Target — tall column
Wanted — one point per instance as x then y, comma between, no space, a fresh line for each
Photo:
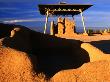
46,21
52,28
82,17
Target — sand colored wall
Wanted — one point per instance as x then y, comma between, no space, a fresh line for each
66,26
60,26
69,26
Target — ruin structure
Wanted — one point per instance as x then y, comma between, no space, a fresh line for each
64,25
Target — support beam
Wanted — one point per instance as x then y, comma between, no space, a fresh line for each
82,17
52,28
46,21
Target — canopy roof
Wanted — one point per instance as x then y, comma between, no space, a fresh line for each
63,9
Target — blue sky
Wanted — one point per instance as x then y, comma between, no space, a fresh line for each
25,12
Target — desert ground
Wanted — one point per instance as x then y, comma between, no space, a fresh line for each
85,38
29,56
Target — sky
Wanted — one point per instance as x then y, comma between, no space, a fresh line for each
26,13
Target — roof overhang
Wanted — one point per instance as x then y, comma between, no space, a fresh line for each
62,9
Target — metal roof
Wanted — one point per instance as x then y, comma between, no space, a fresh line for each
62,9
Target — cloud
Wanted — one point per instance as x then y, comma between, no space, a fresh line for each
8,8
24,20
42,19
27,12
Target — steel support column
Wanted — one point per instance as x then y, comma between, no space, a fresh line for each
46,21
82,17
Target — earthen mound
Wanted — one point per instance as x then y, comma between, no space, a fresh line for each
16,66
94,53
98,71
52,54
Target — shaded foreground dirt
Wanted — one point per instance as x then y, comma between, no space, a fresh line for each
25,55
47,54
51,54
16,66
97,70
103,45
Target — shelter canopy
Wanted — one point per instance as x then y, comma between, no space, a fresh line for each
63,9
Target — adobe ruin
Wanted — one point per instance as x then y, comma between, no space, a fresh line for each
63,26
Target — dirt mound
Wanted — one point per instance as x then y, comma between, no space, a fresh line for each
91,72
49,55
52,53
27,53
94,53
15,66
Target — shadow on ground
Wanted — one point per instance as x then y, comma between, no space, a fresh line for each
103,45
48,54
